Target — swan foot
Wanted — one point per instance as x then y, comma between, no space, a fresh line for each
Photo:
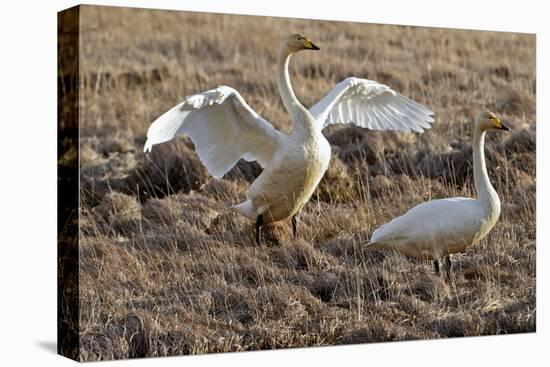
259,223
294,226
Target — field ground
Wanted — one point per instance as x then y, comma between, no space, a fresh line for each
167,268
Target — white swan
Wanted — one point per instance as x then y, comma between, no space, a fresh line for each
225,129
438,228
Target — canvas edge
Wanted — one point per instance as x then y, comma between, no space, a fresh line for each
68,51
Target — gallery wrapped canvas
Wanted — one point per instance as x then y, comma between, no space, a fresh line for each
232,183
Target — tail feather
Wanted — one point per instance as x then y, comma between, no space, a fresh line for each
148,146
246,209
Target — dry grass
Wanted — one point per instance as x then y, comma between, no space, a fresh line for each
167,269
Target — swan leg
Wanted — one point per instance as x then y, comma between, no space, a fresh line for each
259,223
294,226
448,266
436,266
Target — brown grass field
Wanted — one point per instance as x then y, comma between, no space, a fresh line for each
166,268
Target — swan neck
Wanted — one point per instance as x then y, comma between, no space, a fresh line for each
301,117
485,191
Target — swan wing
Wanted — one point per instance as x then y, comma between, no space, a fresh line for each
371,105
223,128
444,220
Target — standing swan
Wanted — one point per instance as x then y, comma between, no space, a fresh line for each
438,228
225,129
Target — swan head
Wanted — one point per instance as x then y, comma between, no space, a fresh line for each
298,42
487,120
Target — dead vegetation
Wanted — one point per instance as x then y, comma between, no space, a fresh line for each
167,268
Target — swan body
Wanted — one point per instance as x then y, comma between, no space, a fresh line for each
438,228
225,129
284,187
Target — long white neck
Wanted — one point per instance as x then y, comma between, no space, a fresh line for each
302,120
485,191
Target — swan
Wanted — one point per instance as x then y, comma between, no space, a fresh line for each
438,228
224,129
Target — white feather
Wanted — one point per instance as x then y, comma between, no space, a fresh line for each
223,128
371,105
432,229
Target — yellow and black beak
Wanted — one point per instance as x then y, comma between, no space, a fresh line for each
309,45
313,47
504,126
499,124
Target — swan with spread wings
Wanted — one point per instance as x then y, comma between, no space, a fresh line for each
224,129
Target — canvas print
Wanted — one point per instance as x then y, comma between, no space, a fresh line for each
232,183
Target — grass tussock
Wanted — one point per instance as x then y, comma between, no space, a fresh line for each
167,268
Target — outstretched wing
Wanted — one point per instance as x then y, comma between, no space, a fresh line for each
223,128
371,105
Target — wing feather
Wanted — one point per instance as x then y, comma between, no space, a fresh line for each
371,105
222,127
